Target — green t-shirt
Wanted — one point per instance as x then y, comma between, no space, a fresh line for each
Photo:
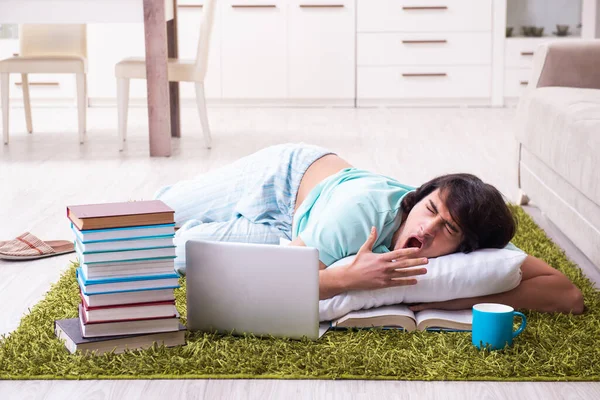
337,215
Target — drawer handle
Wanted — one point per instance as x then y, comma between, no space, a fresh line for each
409,75
424,41
321,6
527,53
190,5
412,8
524,83
38,83
253,6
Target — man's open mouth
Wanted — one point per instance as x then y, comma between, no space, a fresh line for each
413,241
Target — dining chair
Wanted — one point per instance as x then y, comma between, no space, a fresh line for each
48,49
177,71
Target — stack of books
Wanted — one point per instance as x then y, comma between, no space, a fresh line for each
126,278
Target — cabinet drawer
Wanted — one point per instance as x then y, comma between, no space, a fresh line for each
519,52
424,48
515,81
423,82
424,15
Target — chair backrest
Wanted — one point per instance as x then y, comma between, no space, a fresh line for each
206,27
57,39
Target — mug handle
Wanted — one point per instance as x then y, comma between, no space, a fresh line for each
523,323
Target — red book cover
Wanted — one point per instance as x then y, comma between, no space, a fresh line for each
156,303
118,215
85,321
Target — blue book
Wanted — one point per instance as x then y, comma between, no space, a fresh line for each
121,255
127,268
126,284
125,244
96,235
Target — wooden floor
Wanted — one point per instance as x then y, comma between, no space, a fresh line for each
44,172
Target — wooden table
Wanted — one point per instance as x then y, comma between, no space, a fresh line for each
160,29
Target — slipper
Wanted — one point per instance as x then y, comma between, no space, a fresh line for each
29,247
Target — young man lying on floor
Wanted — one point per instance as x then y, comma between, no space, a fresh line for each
313,197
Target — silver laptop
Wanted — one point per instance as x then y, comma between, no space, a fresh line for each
252,288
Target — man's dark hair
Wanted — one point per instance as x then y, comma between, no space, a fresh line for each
477,207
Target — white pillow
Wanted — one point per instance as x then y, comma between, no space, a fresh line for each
458,275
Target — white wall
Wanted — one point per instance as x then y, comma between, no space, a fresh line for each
546,13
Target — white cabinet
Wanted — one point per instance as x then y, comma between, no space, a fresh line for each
515,81
321,49
189,21
579,15
424,52
253,49
518,61
107,45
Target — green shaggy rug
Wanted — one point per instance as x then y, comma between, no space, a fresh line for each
553,347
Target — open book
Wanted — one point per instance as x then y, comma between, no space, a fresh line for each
400,316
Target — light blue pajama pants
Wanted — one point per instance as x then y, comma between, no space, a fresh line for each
251,200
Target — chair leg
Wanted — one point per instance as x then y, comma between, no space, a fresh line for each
122,108
85,103
81,108
27,102
4,90
522,198
201,103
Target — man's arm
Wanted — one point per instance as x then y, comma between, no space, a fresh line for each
542,288
330,283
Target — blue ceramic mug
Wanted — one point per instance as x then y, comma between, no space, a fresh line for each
493,325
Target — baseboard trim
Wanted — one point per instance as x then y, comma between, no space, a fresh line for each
428,102
267,103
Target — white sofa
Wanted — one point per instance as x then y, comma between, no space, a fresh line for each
558,131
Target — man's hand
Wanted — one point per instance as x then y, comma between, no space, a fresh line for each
376,271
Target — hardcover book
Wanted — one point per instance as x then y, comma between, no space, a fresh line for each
125,244
128,268
140,296
120,312
69,332
128,327
117,215
126,284
124,255
128,232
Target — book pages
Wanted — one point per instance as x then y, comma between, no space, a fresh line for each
444,319
395,315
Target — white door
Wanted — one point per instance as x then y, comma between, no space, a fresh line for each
321,49
189,18
253,52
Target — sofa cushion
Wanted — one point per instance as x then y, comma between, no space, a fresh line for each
561,126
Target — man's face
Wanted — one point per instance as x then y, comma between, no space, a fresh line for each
430,227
